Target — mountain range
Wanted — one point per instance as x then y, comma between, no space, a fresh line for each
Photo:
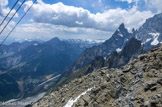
26,66
29,64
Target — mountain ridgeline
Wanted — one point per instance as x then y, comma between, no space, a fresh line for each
82,66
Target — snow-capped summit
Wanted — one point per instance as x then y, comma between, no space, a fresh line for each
88,41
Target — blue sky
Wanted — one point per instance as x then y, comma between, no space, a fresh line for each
77,19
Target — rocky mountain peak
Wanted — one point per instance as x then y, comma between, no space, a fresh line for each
122,26
56,42
121,32
56,39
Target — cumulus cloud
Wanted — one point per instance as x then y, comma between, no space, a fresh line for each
4,9
70,16
42,31
129,1
148,4
3,12
155,4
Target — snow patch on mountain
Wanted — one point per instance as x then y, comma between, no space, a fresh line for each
35,44
99,41
155,41
90,41
119,33
147,40
72,101
118,50
155,38
154,34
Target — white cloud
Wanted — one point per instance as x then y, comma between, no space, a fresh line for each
77,22
155,4
99,1
148,4
42,31
3,2
129,1
4,9
70,16
3,12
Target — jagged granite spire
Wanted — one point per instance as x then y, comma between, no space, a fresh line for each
122,26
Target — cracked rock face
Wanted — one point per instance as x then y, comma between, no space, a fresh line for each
138,84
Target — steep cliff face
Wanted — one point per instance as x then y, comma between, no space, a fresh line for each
132,49
139,83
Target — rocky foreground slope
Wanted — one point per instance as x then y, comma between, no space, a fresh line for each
138,84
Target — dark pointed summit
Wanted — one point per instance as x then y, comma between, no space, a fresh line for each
122,26
121,30
54,40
